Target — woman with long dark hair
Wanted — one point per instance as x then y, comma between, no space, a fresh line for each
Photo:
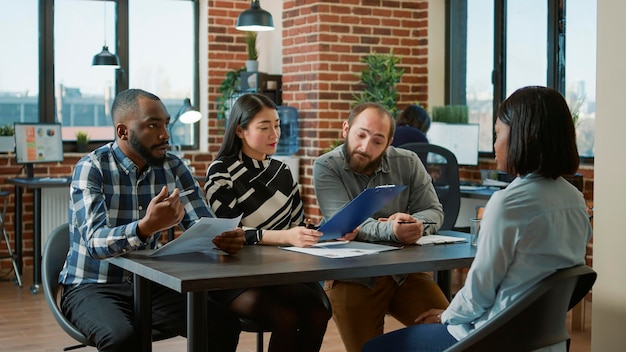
245,180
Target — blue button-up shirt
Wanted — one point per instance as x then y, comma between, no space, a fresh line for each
528,231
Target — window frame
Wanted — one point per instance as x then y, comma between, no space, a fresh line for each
46,99
456,19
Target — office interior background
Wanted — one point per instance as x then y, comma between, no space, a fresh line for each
183,49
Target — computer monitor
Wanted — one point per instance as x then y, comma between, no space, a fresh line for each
37,143
460,139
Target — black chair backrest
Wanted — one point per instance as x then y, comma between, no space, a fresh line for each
54,254
535,320
443,168
53,258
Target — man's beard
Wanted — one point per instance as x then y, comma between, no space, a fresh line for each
367,166
145,153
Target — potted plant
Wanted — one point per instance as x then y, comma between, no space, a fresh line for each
7,141
227,88
252,65
451,114
82,139
379,79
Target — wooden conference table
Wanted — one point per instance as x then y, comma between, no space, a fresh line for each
197,273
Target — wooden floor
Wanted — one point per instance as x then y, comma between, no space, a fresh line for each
26,325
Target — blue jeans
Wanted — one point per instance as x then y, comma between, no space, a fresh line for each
415,338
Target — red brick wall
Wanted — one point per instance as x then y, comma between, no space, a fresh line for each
322,45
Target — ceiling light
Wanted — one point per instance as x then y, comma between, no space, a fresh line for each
255,19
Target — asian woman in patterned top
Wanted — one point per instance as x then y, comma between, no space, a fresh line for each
245,180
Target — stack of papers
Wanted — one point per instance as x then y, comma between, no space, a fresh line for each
342,249
494,183
471,188
439,239
199,237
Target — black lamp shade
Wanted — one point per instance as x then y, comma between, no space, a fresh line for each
105,58
255,19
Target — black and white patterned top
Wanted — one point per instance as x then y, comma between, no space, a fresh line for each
263,191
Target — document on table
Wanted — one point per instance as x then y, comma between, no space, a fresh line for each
439,239
199,237
342,249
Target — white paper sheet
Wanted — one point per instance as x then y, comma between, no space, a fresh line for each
439,239
342,249
199,237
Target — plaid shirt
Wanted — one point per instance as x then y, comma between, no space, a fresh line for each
108,196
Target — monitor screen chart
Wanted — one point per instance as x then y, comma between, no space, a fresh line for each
460,139
38,143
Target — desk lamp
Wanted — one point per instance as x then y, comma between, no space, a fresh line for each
187,115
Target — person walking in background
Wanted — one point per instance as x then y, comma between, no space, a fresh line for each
411,126
122,196
366,159
529,230
245,180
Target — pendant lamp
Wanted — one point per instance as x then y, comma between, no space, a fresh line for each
105,57
255,19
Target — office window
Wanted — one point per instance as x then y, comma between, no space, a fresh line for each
480,47
580,72
526,49
158,38
161,56
83,93
19,79
514,43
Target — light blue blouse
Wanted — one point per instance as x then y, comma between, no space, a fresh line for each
529,230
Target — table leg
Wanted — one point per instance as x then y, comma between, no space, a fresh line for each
18,228
197,324
36,241
445,283
143,312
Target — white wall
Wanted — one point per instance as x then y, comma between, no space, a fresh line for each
270,44
609,244
436,53
203,72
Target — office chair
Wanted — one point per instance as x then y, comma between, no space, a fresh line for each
443,168
249,325
537,319
54,254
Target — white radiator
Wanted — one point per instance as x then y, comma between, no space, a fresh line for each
54,209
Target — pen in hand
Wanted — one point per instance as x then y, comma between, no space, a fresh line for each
183,193
186,193
413,222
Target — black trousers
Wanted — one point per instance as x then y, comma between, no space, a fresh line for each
104,313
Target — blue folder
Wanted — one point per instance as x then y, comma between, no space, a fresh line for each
358,210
